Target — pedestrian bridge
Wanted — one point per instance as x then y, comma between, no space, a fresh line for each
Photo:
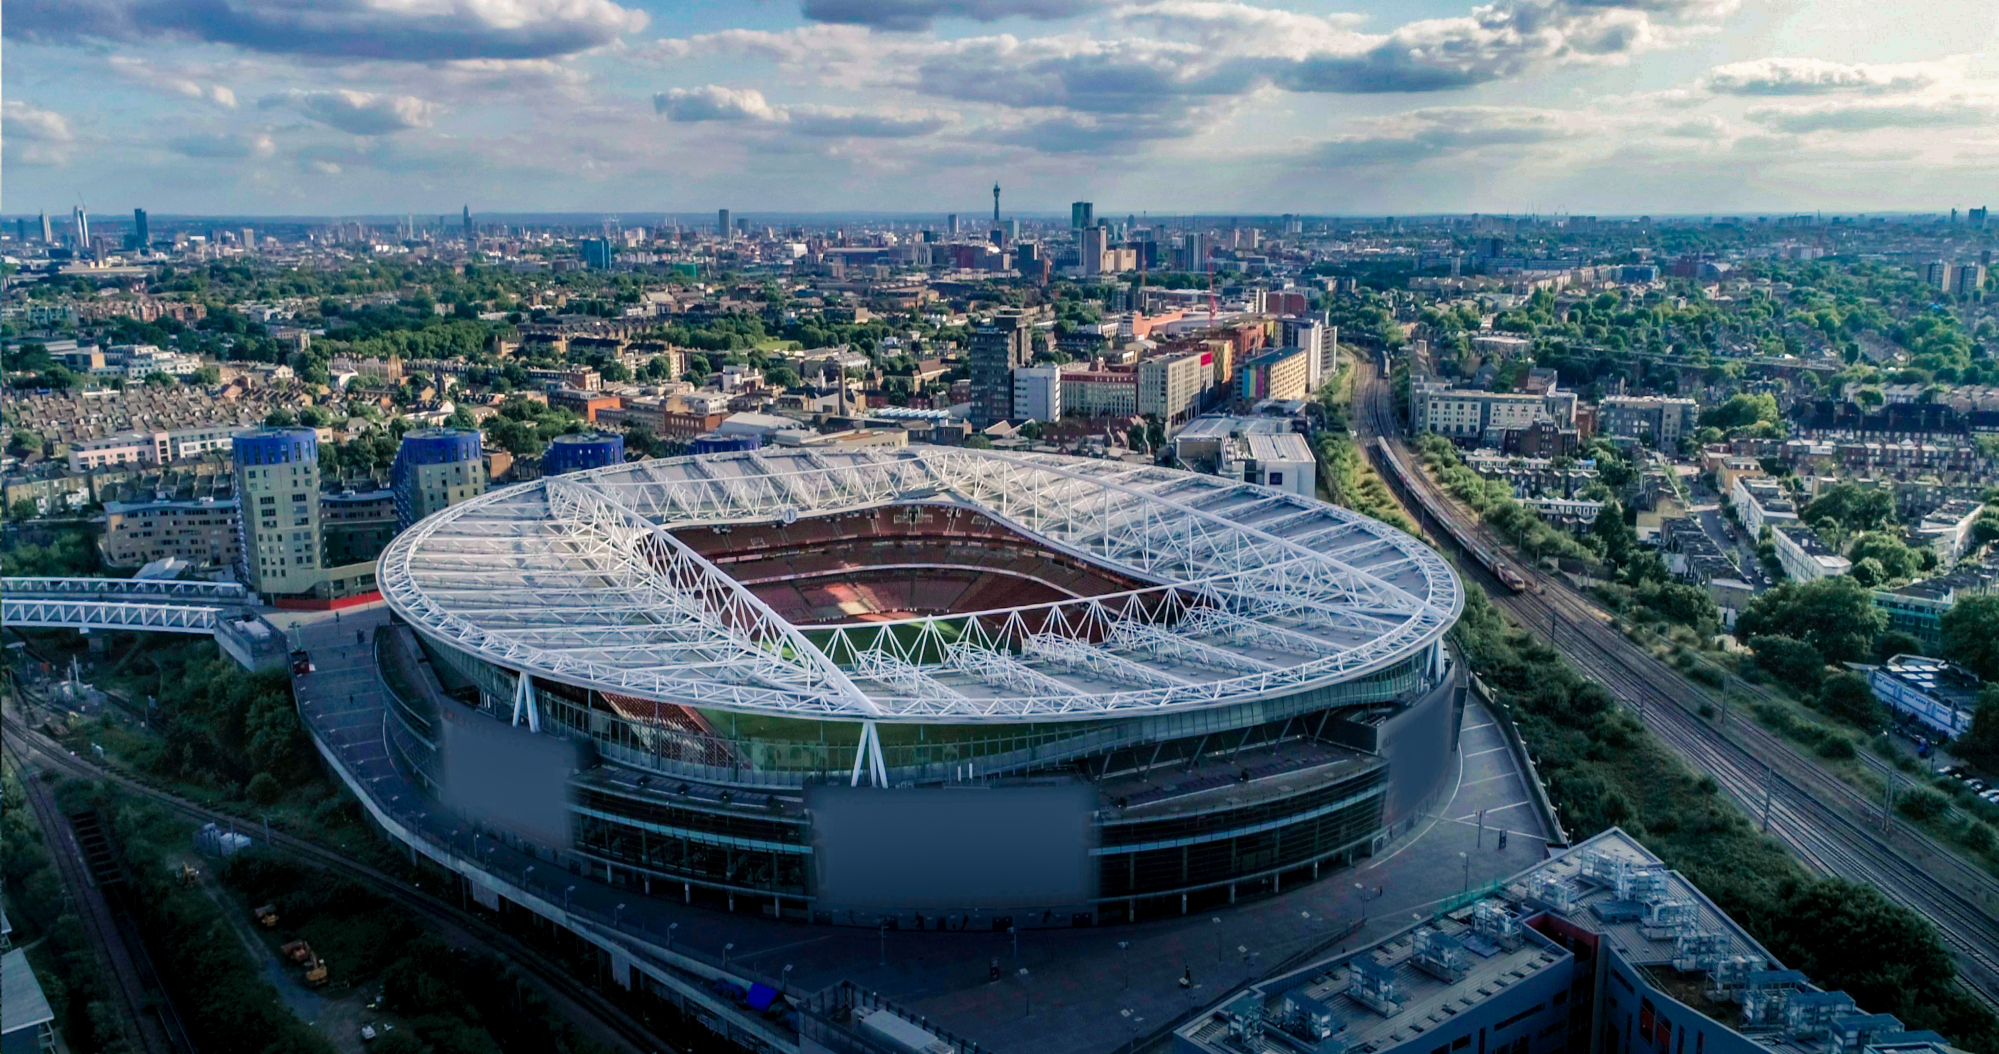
118,603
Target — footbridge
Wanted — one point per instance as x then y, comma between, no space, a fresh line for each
145,605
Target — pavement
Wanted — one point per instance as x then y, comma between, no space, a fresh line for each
1083,990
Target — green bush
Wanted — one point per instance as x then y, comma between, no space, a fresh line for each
1835,746
1978,837
1922,804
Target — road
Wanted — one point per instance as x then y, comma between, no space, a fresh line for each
1828,824
584,1006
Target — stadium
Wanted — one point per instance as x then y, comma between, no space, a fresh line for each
930,686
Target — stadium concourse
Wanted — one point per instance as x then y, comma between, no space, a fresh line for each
936,700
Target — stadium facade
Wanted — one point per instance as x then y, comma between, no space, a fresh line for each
928,686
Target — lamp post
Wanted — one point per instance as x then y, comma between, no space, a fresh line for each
566,894
1465,859
784,978
525,876
617,916
1025,992
1125,947
726,949
1217,920
670,927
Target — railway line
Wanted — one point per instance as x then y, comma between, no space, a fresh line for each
589,1009
1825,822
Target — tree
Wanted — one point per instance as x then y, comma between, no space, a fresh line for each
23,509
1853,507
1742,410
1895,642
1834,615
1789,660
1980,743
1971,635
280,418
28,442
1617,536
1846,695
208,375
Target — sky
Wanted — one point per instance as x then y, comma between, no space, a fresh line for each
1324,107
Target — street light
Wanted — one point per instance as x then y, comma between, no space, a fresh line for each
566,893
1217,920
726,949
784,978
670,927
1026,993
1125,947
617,916
1465,859
525,876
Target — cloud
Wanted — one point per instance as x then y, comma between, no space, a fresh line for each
141,71
909,16
712,102
357,112
834,121
31,135
427,31
224,145
1964,110
1443,131
1781,76
324,168
1697,128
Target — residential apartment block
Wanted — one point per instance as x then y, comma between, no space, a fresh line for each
1654,420
200,532
1484,417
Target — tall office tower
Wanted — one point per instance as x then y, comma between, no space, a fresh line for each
249,238
1094,239
995,202
1197,251
21,229
48,236
998,348
723,230
597,253
1082,214
82,221
141,233
951,224
1936,274
1013,230
435,469
465,219
277,489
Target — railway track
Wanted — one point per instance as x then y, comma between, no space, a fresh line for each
1825,822
570,997
128,993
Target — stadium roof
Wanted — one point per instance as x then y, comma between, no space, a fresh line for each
1258,593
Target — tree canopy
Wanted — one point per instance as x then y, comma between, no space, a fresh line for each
1834,615
1971,635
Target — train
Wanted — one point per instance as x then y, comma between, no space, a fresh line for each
1500,568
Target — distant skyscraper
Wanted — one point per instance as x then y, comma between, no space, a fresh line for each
465,219
951,223
141,234
249,238
1082,214
1093,249
723,230
48,236
82,221
597,253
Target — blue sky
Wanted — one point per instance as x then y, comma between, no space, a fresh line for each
1586,106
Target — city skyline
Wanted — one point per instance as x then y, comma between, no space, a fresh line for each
1668,107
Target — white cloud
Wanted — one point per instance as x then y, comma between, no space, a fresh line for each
712,102
1445,131
1804,76
31,135
407,30
357,112
223,145
179,83
1960,110
913,15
